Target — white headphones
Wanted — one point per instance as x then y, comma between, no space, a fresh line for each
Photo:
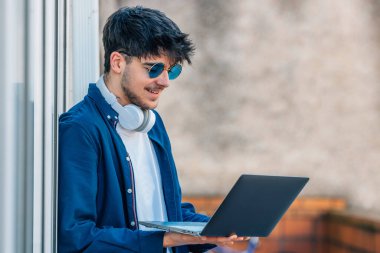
131,117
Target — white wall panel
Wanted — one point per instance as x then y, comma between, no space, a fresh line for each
12,126
85,46
40,55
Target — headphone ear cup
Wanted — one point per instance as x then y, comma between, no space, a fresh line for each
148,123
131,117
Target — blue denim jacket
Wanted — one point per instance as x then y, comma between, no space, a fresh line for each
96,201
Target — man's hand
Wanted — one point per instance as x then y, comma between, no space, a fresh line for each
176,239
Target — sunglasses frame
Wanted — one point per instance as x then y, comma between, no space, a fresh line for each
155,64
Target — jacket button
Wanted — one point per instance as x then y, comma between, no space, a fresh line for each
128,159
133,223
108,117
129,190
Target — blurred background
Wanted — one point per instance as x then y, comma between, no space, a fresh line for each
276,87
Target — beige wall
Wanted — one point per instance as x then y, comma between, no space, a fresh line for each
277,87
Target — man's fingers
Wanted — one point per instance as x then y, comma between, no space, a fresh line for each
243,238
233,237
203,238
222,241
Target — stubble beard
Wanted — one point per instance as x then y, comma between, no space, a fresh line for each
132,97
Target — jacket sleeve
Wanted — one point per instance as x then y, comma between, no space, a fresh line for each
189,214
77,189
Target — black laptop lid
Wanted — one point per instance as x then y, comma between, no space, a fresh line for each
254,205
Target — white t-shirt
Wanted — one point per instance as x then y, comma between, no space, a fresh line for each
148,186
150,200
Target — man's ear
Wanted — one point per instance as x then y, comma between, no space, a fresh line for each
117,62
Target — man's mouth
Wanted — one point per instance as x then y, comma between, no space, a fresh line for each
154,91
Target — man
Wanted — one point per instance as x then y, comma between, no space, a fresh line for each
115,161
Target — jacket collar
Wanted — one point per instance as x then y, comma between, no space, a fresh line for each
105,108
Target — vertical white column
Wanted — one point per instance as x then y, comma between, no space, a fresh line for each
12,126
35,66
85,46
61,99
50,125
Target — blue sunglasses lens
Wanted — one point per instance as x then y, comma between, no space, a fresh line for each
175,71
156,70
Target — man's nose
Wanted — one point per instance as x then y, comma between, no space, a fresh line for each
163,79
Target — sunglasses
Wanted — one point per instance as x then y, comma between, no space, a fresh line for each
155,69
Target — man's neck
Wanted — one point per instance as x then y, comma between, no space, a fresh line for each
113,85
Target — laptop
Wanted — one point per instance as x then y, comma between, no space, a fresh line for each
253,207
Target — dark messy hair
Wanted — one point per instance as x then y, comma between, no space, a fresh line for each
144,32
